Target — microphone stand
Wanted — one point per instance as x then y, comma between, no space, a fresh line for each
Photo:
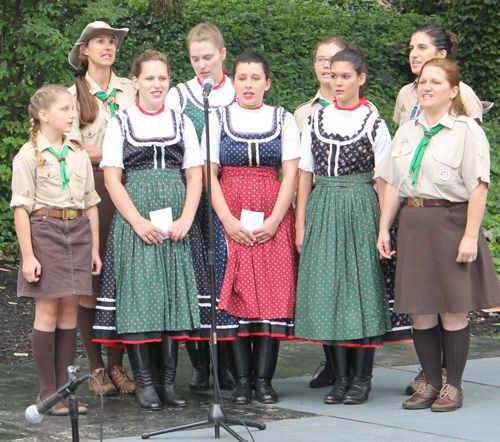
73,405
217,415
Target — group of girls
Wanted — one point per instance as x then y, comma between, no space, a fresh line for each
154,289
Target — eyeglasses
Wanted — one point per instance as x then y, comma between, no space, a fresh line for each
320,61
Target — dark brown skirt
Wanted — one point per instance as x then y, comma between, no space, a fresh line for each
428,279
106,211
64,250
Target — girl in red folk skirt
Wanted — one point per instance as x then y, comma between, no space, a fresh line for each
57,225
251,141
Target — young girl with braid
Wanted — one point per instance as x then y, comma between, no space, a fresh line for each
97,95
56,218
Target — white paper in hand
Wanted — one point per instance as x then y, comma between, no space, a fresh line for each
163,219
251,220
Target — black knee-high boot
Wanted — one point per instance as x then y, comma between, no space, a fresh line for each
225,375
240,356
140,356
361,383
265,359
340,357
199,354
165,368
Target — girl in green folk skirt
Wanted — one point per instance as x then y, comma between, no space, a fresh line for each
148,297
341,296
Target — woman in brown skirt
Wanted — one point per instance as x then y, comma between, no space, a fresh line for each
97,94
55,212
439,165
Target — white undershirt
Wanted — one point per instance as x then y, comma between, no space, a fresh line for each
147,127
253,121
218,97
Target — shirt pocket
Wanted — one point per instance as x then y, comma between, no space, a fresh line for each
402,156
46,174
48,183
78,183
446,167
91,133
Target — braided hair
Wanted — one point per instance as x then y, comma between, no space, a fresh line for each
43,99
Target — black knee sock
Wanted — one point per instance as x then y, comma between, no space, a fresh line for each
428,347
456,350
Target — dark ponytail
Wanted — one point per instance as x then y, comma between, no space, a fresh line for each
355,57
441,39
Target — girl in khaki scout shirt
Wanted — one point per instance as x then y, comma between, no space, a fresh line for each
325,50
432,41
439,165
57,225
97,94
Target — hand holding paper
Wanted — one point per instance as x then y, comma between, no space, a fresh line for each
265,232
162,219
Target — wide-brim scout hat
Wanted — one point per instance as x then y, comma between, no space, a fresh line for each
90,31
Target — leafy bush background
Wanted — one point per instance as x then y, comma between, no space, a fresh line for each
38,35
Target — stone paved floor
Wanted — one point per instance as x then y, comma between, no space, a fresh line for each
300,415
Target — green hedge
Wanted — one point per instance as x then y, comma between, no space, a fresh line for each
285,31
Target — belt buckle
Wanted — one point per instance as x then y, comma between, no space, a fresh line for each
417,202
70,214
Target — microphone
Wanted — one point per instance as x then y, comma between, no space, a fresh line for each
208,85
35,413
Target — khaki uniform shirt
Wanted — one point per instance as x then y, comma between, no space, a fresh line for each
453,162
309,107
408,96
35,187
93,134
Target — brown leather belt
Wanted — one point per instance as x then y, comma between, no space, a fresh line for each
64,214
424,202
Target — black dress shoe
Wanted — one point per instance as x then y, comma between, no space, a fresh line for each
242,393
264,391
358,391
337,394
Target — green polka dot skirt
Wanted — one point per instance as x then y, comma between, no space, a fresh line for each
341,293
155,285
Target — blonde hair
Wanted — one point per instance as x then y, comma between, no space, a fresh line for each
43,99
144,58
206,32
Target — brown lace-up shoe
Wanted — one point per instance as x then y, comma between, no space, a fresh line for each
450,399
422,399
121,380
419,380
108,388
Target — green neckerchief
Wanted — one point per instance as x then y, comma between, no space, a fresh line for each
419,152
111,97
62,160
323,103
